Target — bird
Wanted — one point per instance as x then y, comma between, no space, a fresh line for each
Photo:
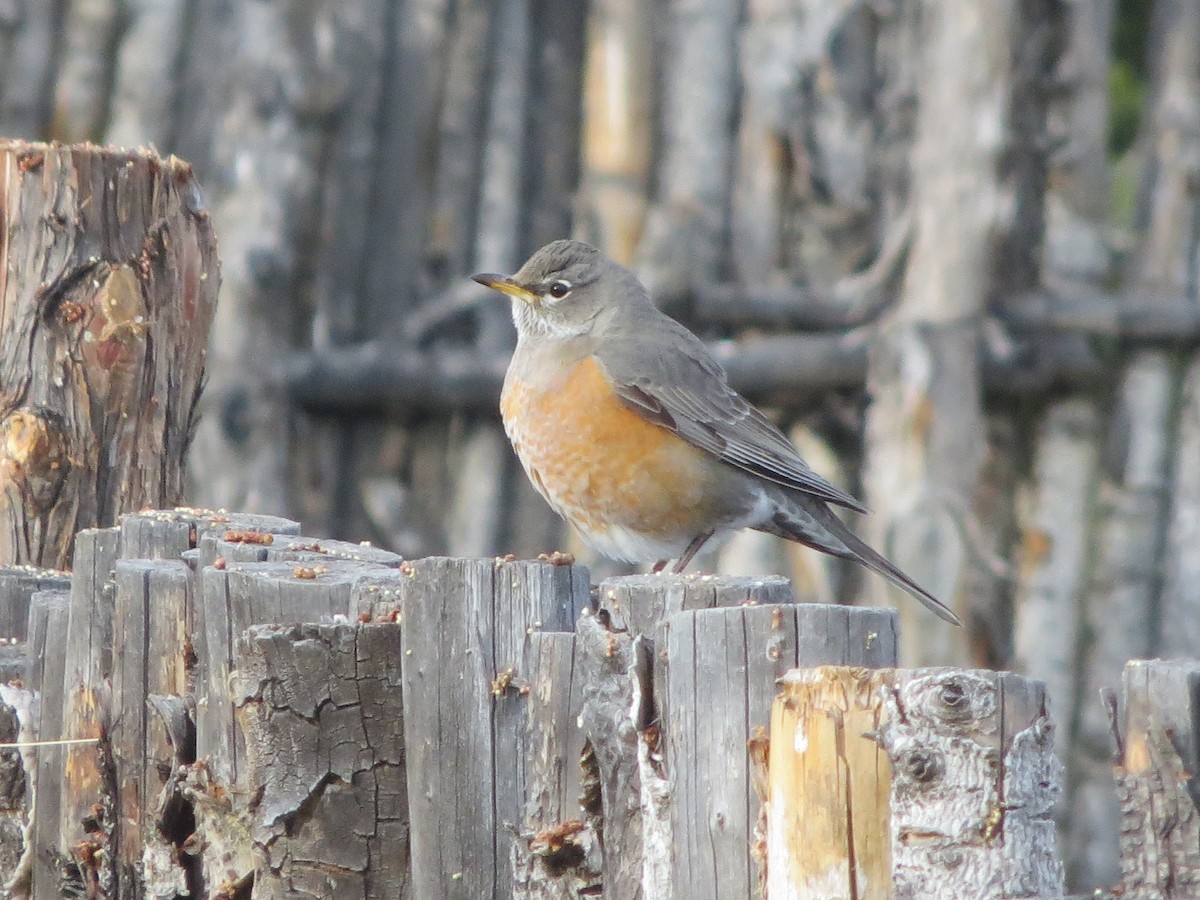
628,427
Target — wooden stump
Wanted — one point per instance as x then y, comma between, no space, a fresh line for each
715,676
466,630
965,810
84,767
638,603
18,584
322,713
232,600
1158,758
105,306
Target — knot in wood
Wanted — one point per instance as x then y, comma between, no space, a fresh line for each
921,765
33,455
953,698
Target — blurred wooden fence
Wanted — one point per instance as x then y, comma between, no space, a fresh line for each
893,220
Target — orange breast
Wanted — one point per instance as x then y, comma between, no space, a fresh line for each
601,465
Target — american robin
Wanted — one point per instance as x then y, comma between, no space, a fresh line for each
628,427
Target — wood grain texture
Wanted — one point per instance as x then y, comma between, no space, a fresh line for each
466,629
84,818
323,718
830,787
638,603
945,730
716,673
557,853
18,584
45,674
105,323
1159,755
151,611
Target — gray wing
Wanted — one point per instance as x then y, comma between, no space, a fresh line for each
685,390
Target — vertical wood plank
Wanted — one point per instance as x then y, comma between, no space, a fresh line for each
49,616
721,668
466,628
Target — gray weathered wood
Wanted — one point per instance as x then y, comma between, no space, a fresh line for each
974,778
104,330
151,612
230,601
168,533
1179,633
1158,757
637,603
17,781
557,854
605,659
321,707
48,625
1119,609
684,241
1054,549
290,548
717,669
466,625
141,113
18,584
84,768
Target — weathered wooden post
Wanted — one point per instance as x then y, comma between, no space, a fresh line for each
718,671
106,298
322,712
1158,758
466,629
917,783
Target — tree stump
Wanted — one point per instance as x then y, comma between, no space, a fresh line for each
106,296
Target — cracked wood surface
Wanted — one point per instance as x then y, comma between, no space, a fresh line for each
322,713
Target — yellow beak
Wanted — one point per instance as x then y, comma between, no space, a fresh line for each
505,285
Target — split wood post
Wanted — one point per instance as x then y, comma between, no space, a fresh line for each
84,768
972,784
105,305
557,853
616,666
44,675
466,630
1158,758
323,719
715,678
18,584
232,600
153,599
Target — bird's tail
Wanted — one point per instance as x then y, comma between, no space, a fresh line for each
811,522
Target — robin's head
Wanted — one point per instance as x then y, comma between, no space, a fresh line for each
567,289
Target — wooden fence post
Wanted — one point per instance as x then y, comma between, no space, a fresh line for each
973,781
617,666
557,854
716,673
466,629
1158,758
104,321
48,617
323,718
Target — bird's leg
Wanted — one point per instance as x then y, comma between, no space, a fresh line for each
659,566
692,549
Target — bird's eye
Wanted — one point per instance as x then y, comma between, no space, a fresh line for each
560,289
